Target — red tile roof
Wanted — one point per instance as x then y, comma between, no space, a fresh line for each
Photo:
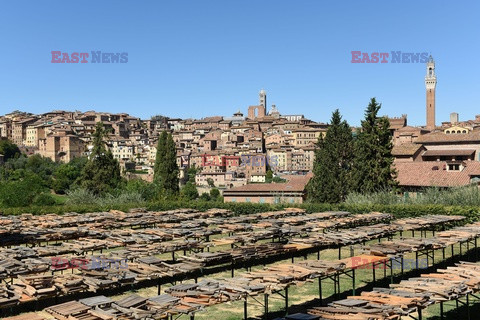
295,183
440,137
407,149
413,129
434,173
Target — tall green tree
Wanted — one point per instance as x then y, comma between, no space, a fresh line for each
101,173
191,174
166,168
269,176
372,170
333,162
171,180
159,167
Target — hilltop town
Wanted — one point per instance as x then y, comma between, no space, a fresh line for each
217,144
233,151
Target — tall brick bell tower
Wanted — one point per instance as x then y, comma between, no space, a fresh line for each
430,84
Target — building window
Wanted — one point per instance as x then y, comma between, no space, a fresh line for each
453,167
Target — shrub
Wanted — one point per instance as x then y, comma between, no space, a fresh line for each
80,196
468,196
123,198
83,196
16,194
67,174
214,193
44,199
148,191
190,191
383,197
20,193
60,185
205,197
9,149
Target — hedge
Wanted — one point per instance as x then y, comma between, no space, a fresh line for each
398,210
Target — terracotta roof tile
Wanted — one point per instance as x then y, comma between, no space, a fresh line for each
413,129
407,149
294,184
434,173
455,137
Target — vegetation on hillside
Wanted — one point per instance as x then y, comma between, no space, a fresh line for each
9,150
351,172
94,181
101,173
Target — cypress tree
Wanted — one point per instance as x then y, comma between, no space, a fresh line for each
166,169
101,173
159,167
171,167
373,153
332,164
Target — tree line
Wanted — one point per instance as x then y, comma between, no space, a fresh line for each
35,180
347,161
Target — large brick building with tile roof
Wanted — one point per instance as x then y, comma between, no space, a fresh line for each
418,175
293,191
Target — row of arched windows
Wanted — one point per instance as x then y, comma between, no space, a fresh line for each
455,131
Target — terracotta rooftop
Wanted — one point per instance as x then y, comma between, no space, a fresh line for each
407,149
267,187
413,129
295,183
440,137
434,173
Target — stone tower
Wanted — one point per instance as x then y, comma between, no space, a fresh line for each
430,84
453,118
261,110
263,99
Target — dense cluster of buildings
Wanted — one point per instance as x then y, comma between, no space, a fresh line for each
231,151
235,152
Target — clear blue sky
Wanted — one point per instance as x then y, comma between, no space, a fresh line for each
207,57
